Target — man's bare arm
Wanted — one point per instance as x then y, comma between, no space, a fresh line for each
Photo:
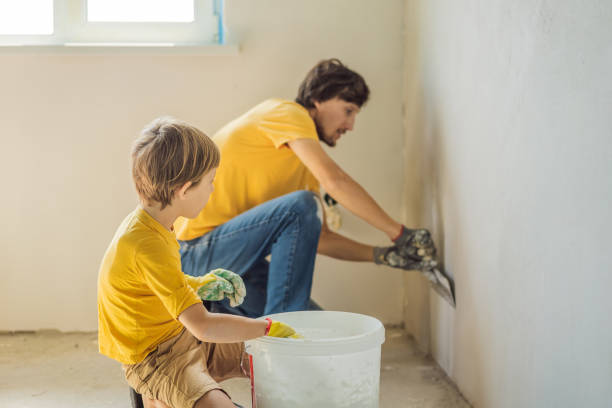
342,187
340,247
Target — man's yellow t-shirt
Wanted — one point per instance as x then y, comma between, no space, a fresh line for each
141,289
256,164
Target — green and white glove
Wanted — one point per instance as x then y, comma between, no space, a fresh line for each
219,284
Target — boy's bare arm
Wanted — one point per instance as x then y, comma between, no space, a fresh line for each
218,327
342,187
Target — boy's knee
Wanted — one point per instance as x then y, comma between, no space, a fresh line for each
214,399
149,403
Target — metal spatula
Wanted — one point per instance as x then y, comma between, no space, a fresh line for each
442,284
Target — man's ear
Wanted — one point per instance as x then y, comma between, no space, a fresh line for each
181,191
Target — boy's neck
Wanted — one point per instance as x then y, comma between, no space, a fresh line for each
165,217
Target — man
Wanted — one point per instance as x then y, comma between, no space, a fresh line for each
264,203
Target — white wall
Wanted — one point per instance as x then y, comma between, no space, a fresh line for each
67,123
512,107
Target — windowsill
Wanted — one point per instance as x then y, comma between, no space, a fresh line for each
122,49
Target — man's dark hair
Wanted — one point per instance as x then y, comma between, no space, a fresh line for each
328,79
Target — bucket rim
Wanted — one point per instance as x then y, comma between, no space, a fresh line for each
378,330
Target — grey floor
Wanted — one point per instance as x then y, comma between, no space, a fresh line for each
51,369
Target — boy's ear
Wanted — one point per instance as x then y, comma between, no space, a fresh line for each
180,193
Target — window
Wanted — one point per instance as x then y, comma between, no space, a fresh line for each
111,22
140,11
16,17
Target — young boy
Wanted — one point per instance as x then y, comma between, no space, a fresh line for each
150,318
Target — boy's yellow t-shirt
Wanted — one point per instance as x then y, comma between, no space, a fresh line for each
141,289
256,164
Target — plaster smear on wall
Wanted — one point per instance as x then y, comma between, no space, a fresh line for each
511,117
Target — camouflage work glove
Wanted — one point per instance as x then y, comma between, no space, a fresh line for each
392,256
415,244
219,284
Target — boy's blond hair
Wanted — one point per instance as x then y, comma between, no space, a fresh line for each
168,154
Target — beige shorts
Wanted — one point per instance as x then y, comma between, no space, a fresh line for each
181,370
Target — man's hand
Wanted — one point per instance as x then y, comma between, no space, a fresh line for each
415,244
219,284
392,256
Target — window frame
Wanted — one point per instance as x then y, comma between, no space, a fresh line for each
71,28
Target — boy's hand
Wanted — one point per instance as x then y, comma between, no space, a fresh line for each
219,284
279,329
237,297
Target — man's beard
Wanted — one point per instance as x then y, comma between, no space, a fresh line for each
322,136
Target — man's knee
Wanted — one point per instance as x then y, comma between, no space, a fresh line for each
304,202
306,208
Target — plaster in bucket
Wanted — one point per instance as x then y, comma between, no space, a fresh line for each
336,364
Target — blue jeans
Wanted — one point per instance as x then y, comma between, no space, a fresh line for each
287,228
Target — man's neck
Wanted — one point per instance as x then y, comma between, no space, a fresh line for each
165,217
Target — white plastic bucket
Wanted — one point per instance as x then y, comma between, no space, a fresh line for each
337,364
